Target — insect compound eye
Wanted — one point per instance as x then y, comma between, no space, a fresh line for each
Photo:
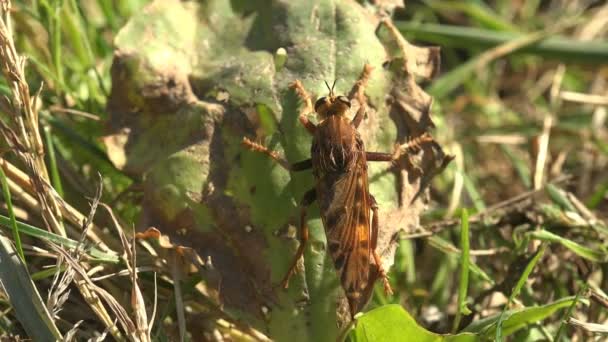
344,100
319,103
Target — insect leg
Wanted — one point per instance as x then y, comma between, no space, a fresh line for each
358,89
359,116
387,286
378,156
303,94
309,197
400,150
358,92
299,166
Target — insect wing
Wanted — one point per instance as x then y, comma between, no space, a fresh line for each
347,225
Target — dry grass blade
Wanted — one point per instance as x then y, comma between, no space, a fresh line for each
86,225
505,139
74,112
596,100
494,210
94,294
59,292
590,327
21,186
597,295
122,273
71,335
142,327
455,197
76,272
238,334
542,154
24,135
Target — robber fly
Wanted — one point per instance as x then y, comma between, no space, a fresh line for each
348,211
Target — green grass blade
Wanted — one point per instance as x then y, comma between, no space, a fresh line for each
49,74
464,270
47,273
559,197
24,297
568,312
56,47
518,318
27,229
13,221
527,271
79,24
448,82
478,11
406,261
598,196
76,138
107,7
471,189
520,284
562,49
76,35
578,249
4,90
34,5
54,170
521,166
451,250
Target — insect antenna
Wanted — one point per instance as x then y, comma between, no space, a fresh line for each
331,89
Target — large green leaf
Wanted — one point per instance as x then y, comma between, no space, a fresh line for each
190,79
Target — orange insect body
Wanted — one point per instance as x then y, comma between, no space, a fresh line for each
348,211
340,168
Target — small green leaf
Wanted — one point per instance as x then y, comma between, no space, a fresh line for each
393,323
578,249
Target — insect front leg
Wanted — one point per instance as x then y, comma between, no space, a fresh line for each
358,92
359,116
309,197
303,94
299,166
400,150
387,286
